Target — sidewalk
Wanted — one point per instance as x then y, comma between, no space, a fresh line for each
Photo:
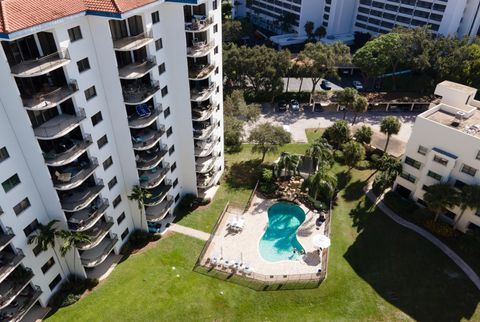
189,232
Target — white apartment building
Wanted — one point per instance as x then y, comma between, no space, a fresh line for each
445,147
97,97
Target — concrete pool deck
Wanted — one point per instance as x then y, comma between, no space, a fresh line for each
243,246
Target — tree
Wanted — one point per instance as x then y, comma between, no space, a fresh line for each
140,195
70,239
286,21
372,60
390,125
320,32
360,39
309,28
232,30
267,138
337,134
364,134
322,185
233,133
288,164
235,106
469,198
353,152
321,153
346,99
439,197
389,166
359,106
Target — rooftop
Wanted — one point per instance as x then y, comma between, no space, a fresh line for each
457,87
469,125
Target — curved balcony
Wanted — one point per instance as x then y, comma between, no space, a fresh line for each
67,152
59,126
206,164
133,42
49,97
152,178
198,71
159,212
86,218
144,116
158,194
74,176
13,285
24,301
41,65
97,233
147,161
146,139
139,94
8,262
200,24
202,94
5,237
205,133
203,149
199,115
206,181
95,256
200,48
80,198
136,69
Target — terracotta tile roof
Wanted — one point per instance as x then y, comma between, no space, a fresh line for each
20,14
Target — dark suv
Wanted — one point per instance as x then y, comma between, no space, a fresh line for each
282,106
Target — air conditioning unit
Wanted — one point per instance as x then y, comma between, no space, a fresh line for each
460,115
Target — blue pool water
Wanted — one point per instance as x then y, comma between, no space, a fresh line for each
280,238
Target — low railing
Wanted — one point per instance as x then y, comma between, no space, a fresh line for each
160,213
141,143
96,234
204,133
41,64
200,48
9,263
203,93
53,158
199,24
22,308
136,121
155,159
97,213
132,41
141,93
80,199
91,262
155,178
17,285
200,71
83,173
50,97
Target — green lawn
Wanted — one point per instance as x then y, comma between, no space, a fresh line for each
378,271
313,134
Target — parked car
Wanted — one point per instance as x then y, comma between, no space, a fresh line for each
294,105
357,85
282,106
326,85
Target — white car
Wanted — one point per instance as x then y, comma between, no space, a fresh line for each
294,105
358,85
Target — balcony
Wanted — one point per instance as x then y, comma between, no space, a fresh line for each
204,149
139,93
146,139
199,115
86,218
59,126
133,42
136,69
74,175
49,97
148,160
158,194
159,212
200,48
200,23
206,164
144,116
13,285
152,178
205,133
200,71
96,256
97,233
41,65
8,262
22,304
6,237
202,94
67,151
206,181
80,198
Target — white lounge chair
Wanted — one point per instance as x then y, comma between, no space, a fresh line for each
240,224
247,269
233,223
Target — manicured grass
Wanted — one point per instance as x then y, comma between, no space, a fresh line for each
313,134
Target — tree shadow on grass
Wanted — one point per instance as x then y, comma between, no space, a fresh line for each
354,190
244,174
343,178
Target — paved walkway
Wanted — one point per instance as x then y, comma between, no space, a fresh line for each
425,234
189,232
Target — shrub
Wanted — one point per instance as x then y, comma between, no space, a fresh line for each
440,228
70,299
382,181
267,182
71,291
138,239
338,156
205,201
364,165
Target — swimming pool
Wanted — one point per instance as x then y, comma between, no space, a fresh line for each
280,238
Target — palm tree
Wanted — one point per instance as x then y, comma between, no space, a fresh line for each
139,195
359,106
364,134
470,198
321,153
353,152
388,164
321,185
439,197
70,239
347,98
390,125
287,164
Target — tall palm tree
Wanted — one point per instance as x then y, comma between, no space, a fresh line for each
321,152
390,125
470,198
347,98
359,106
70,239
287,164
140,195
321,185
439,197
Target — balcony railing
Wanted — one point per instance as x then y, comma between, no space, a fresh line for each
146,160
86,218
200,48
41,65
22,304
200,24
152,178
96,256
96,234
205,133
59,125
158,212
137,69
199,71
13,285
49,97
205,181
80,198
8,262
133,42
206,164
203,150
199,115
138,94
74,176
147,139
6,237
70,152
201,94
158,194
144,117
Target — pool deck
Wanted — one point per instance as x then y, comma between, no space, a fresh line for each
243,246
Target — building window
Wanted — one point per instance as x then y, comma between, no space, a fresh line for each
425,187
169,131
422,150
97,118
158,44
215,28
21,206
30,228
173,167
161,68
11,183
469,170
175,183
124,234
413,163
83,65
215,51
37,250
459,184
440,160
47,265
166,113
107,163
90,93
102,141
216,70
155,17
177,197
214,4
112,183
55,282
75,33
164,91
4,154
434,175
120,218
171,150
407,176
117,201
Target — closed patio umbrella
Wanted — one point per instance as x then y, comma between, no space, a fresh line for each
321,241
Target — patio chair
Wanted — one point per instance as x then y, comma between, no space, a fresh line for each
240,224
247,269
143,111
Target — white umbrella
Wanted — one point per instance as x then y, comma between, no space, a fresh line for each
321,241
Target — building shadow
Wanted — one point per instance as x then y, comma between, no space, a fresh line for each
244,174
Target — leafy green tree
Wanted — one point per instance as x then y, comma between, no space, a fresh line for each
309,28
390,126
322,185
140,195
337,134
383,181
346,99
468,198
439,197
364,134
267,138
286,21
359,106
234,105
233,133
372,60
288,164
353,153
321,153
389,166
232,31
320,32
70,239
